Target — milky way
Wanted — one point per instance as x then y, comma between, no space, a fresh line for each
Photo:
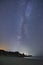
21,26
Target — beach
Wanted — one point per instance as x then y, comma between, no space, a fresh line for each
19,61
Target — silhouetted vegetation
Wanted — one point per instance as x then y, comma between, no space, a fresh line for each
15,54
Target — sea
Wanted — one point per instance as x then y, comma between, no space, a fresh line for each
35,57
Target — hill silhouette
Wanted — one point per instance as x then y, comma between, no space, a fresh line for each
15,54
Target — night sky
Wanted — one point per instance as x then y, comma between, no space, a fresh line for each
21,26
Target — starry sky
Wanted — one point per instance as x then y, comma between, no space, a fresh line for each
21,26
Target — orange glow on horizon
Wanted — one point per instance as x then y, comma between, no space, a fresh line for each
4,46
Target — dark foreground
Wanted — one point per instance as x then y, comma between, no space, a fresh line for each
19,61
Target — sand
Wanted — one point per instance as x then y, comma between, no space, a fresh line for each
19,61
